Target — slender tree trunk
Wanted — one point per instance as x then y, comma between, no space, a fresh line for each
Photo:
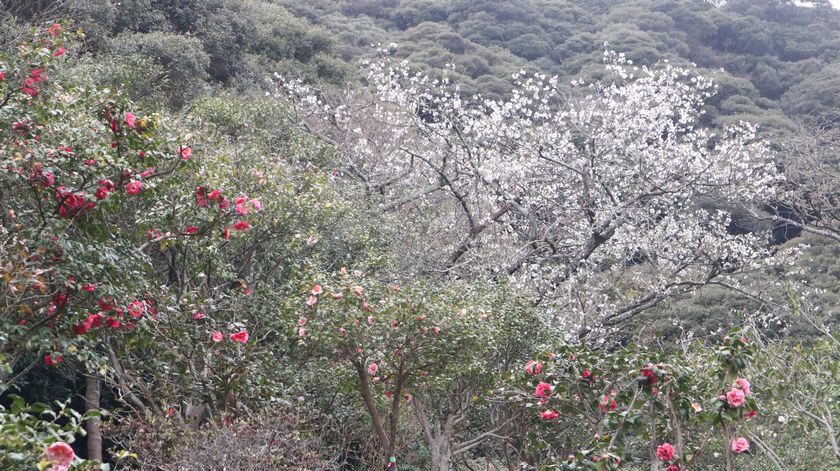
92,425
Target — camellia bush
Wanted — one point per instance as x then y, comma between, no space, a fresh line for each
420,355
599,410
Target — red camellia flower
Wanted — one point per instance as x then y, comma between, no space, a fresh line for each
217,336
2,75
533,367
113,322
549,414
240,337
59,52
648,373
665,452
543,390
751,414
94,320
673,467
224,203
241,226
201,196
215,194
136,309
55,30
185,153
191,229
52,360
226,233
106,304
133,187
60,455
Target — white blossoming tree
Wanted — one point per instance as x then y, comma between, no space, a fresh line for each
592,194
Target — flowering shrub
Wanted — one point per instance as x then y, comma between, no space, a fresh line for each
437,351
622,400
38,433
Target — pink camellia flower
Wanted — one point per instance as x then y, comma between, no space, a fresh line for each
342,331
549,414
665,452
302,332
226,233
136,309
89,287
217,336
2,75
736,398
185,153
316,290
673,467
59,52
60,455
302,321
436,330
358,291
148,172
130,120
311,301
542,390
241,208
214,195
240,337
241,226
370,320
199,315
133,187
740,445
533,367
337,295
256,203
53,360
373,368
744,385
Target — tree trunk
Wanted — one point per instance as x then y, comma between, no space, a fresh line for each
92,425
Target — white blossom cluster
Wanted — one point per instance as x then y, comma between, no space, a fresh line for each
591,196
